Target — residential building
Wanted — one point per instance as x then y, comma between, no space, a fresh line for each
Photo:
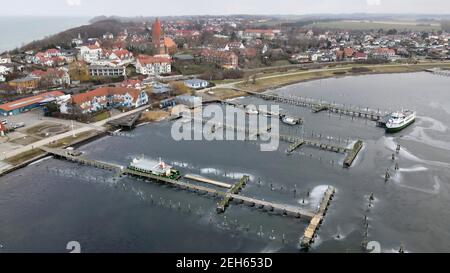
225,59
104,98
55,77
153,65
360,56
90,53
6,68
383,53
259,33
196,83
25,84
106,71
5,59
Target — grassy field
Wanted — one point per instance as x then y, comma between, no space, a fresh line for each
281,79
17,159
375,25
224,93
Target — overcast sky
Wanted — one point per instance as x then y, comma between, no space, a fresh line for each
217,7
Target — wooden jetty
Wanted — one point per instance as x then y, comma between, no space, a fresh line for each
271,206
173,182
223,204
316,218
321,106
208,181
297,142
311,231
70,156
295,146
126,122
351,156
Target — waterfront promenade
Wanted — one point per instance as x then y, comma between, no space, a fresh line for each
97,126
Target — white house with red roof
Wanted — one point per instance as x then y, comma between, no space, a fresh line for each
90,53
58,77
153,65
104,98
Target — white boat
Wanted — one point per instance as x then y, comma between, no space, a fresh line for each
289,120
252,111
399,120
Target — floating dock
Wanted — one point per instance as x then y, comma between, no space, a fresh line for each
311,231
351,156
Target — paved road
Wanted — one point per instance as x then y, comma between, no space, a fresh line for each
86,127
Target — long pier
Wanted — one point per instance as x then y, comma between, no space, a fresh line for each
69,155
321,106
173,182
231,194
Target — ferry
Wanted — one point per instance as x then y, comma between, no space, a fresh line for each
153,167
397,121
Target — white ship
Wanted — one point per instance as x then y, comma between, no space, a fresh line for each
400,120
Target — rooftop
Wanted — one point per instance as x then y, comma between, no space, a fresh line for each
44,97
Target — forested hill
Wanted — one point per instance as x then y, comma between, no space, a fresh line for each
64,38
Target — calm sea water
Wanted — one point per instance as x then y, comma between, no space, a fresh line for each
17,31
47,204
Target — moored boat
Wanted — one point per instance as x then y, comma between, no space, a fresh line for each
397,121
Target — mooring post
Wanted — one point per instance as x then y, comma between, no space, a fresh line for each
387,175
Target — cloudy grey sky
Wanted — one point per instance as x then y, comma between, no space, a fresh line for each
196,7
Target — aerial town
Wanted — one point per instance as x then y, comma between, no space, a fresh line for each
108,77
156,61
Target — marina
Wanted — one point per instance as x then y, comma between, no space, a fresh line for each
232,194
188,208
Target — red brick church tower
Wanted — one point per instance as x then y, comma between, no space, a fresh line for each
157,38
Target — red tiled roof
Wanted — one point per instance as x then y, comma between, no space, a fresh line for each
104,91
360,55
146,59
30,100
348,52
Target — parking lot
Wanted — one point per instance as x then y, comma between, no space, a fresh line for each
37,127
